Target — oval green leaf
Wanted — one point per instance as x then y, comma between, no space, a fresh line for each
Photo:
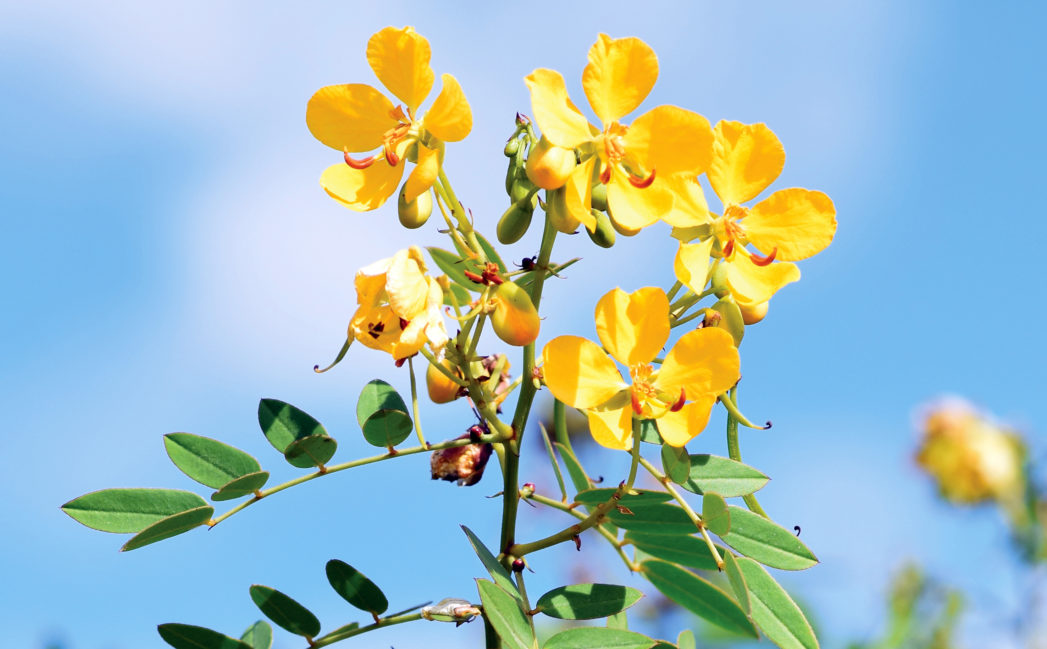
649,432
377,395
242,486
602,637
129,510
173,525
454,267
259,635
686,640
307,452
618,621
285,612
654,519
685,550
208,461
282,423
494,567
355,588
186,636
777,615
715,514
724,476
676,463
485,245
737,581
386,428
594,497
698,596
767,542
503,611
587,601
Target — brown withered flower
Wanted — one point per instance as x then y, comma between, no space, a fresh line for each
464,464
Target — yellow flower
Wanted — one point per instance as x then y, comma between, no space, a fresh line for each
399,306
635,161
789,225
356,118
633,328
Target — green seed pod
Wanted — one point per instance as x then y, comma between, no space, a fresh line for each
599,200
514,173
416,213
515,221
556,210
522,189
604,235
514,318
549,166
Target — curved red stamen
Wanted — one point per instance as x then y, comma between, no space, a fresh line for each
358,164
763,261
679,402
728,249
605,175
391,157
637,406
642,183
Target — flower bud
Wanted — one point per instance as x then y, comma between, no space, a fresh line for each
518,565
753,313
604,235
549,166
416,213
515,221
559,215
599,197
511,147
441,389
514,318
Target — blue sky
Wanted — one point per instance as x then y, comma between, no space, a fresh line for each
171,259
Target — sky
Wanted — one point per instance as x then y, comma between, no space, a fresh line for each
171,259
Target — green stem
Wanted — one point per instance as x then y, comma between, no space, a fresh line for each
560,424
685,320
611,538
693,515
336,636
671,293
523,594
464,226
414,402
733,450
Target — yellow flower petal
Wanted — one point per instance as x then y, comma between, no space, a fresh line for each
612,428
579,373
636,208
689,206
578,193
746,160
370,282
400,60
619,76
669,140
633,327
691,264
678,428
798,222
752,284
361,189
554,112
703,362
424,174
450,118
377,328
351,116
406,283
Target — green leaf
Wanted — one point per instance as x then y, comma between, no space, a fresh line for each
577,474
602,637
355,588
649,432
387,428
685,550
460,294
618,621
767,542
676,463
503,611
698,596
654,519
454,266
208,461
593,497
485,245
285,612
259,635
129,510
737,581
314,450
186,636
774,611
377,395
731,319
282,423
587,601
715,514
724,476
686,640
494,567
173,525
242,486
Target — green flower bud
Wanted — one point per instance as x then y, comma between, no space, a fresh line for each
556,210
604,235
511,147
515,221
416,213
599,199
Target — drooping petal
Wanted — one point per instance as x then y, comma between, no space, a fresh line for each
361,190
752,284
406,283
612,428
351,116
377,328
746,160
678,428
798,222
578,193
634,207
619,76
703,362
689,206
554,112
579,373
424,174
400,60
633,327
669,140
370,281
691,264
450,118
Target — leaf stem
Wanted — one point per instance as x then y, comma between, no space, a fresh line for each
335,636
611,538
733,449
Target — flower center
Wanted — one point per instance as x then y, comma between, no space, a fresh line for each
406,127
613,156
731,235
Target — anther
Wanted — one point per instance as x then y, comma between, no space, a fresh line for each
728,249
676,407
391,157
357,164
637,406
605,175
763,261
641,183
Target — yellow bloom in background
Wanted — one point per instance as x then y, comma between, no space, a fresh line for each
789,225
635,161
399,306
633,328
356,118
